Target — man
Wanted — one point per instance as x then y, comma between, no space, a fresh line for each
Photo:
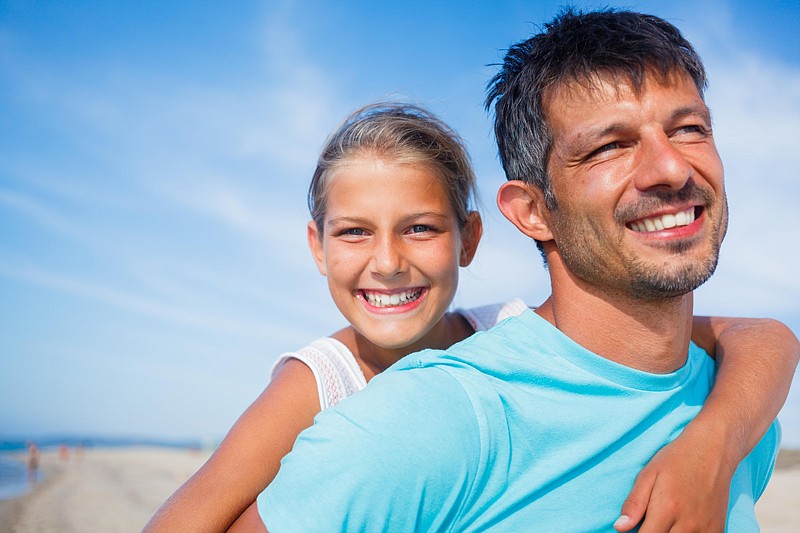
543,423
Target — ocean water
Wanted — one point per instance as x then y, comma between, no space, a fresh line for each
13,477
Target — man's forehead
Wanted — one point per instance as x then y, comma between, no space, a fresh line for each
604,85
599,91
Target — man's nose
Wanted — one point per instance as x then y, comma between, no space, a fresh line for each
663,166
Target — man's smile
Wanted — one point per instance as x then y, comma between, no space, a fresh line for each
665,221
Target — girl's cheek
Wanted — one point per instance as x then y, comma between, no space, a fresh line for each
441,257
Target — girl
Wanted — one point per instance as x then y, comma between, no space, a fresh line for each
392,223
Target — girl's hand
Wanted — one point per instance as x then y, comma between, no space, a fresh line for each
685,487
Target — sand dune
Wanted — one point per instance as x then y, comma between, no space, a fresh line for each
119,490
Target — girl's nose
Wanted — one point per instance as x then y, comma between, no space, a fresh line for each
388,260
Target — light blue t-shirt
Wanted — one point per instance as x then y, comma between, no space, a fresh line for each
514,429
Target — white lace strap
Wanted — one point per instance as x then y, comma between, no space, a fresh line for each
487,316
335,370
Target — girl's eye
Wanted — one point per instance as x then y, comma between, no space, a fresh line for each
419,228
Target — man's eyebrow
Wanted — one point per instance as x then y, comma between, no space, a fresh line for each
587,138
696,110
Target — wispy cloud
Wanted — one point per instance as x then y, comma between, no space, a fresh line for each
140,304
42,214
756,132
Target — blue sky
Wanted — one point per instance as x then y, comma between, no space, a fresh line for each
154,160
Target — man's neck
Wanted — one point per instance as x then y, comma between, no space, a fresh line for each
652,336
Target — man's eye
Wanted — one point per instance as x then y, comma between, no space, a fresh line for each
694,128
605,148
358,232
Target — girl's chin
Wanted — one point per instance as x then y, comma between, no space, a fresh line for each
395,341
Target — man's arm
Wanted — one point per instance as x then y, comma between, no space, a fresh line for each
686,484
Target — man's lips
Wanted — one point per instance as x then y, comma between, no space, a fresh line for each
665,221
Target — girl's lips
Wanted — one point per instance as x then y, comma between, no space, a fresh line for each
397,301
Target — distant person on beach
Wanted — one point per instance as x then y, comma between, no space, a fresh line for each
392,222
63,451
33,463
543,422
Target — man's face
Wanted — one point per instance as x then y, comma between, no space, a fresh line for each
639,185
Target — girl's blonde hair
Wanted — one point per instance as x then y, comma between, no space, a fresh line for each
401,133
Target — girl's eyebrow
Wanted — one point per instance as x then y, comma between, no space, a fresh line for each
425,214
361,221
346,220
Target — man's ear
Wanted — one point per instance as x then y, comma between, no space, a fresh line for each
315,243
470,237
524,206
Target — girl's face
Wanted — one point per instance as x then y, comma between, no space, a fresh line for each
391,249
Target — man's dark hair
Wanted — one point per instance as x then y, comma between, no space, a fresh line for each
576,47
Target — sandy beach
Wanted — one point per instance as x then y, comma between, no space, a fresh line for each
118,490
108,490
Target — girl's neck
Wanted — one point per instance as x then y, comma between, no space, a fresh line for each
374,359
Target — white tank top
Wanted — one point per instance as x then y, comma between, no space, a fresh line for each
335,368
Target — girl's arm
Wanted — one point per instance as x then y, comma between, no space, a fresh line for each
247,459
686,485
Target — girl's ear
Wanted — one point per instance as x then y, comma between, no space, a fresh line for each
523,204
315,243
470,237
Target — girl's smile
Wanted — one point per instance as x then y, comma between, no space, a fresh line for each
399,301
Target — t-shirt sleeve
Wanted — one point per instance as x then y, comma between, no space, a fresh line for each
768,447
399,456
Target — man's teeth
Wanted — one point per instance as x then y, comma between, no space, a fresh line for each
379,299
683,218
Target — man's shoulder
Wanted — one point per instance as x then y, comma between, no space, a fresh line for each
415,393
480,351
413,433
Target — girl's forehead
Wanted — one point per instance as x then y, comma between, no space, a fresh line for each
389,172
380,189
382,174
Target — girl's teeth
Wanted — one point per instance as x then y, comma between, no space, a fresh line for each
390,300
